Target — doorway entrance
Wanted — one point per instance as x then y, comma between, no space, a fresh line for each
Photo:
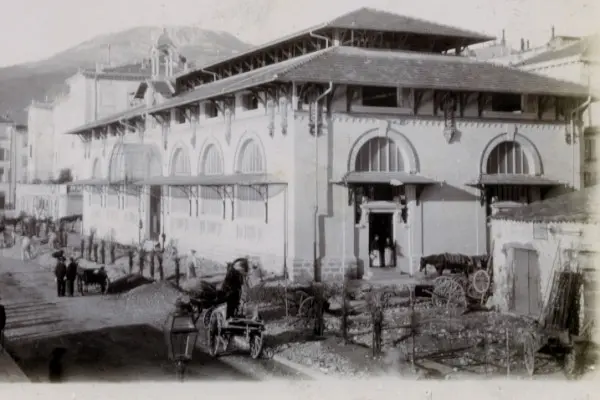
527,285
155,212
381,233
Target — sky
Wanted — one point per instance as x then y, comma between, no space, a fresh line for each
36,29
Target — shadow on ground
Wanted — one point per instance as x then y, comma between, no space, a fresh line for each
118,354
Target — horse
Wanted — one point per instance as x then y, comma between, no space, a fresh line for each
454,262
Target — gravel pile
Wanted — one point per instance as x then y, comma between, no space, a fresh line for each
156,297
319,356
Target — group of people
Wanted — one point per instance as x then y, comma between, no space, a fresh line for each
383,252
65,275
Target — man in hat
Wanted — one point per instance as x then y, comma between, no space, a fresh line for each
232,286
60,272
71,275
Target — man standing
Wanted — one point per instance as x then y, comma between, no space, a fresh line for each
60,272
191,265
71,275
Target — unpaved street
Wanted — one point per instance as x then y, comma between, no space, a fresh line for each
109,338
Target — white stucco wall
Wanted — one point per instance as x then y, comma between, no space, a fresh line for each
552,251
48,200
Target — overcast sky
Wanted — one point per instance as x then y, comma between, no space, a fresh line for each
36,29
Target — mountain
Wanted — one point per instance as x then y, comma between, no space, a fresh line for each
20,84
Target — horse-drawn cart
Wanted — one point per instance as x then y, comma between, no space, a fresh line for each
221,329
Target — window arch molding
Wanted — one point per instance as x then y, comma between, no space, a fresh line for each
527,146
211,144
180,155
244,146
409,155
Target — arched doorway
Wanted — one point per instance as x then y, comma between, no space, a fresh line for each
380,205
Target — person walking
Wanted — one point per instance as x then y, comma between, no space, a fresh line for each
60,272
26,253
71,275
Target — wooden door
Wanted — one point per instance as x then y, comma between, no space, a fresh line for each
526,282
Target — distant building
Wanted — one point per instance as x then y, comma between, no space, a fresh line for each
13,159
301,151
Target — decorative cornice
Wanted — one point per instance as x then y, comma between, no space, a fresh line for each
421,121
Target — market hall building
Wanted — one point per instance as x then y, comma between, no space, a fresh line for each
299,152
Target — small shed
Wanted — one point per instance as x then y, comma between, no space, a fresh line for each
530,242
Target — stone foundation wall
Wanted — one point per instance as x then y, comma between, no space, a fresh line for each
332,269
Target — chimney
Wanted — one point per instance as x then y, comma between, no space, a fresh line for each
552,32
98,67
527,44
503,37
522,44
108,61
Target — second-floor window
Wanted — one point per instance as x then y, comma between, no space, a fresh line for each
3,155
249,101
210,110
377,96
2,175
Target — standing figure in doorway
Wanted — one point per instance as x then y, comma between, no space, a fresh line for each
389,253
377,252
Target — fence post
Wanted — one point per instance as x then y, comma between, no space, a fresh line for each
142,260
112,252
377,318
177,271
152,254
161,271
82,248
103,251
130,255
95,252
345,311
319,327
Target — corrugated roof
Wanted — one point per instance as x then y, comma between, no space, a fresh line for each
353,65
364,18
579,206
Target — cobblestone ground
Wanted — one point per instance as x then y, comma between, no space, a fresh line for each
108,338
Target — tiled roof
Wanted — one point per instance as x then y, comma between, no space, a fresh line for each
579,206
358,66
353,65
514,180
578,48
366,18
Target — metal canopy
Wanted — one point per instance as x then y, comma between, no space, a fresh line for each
89,182
214,180
393,178
512,180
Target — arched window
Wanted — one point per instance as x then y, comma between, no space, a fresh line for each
251,158
250,203
211,163
379,154
180,201
508,158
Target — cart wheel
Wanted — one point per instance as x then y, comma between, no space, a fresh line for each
216,335
529,350
448,293
481,281
306,307
256,345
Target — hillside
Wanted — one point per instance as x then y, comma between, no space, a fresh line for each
20,84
